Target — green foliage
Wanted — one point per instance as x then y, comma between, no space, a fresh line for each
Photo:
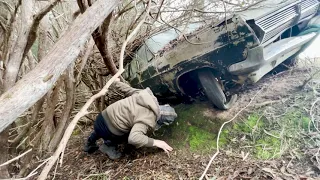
266,138
268,147
193,130
295,121
272,138
200,139
252,122
75,132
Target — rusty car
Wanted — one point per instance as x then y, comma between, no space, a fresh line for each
216,59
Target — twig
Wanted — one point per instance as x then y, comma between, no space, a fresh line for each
32,172
214,156
271,134
55,171
16,158
84,109
185,37
265,103
312,115
23,141
215,12
309,79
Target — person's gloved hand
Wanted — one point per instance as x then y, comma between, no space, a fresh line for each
163,145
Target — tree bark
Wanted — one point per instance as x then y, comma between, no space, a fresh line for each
42,48
15,57
37,82
101,39
10,74
69,87
48,126
4,153
84,60
100,36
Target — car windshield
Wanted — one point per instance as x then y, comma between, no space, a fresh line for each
160,40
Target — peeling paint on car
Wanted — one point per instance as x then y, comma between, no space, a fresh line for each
217,49
214,46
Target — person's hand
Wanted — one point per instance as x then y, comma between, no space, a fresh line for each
163,145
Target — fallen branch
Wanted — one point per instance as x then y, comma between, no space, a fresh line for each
84,110
214,156
16,158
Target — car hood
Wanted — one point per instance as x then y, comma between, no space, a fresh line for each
265,7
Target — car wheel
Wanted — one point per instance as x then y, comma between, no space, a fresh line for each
213,90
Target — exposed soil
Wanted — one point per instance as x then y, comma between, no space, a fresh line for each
187,163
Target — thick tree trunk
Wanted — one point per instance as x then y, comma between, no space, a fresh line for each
10,74
36,83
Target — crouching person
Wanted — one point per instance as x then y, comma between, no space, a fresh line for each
130,119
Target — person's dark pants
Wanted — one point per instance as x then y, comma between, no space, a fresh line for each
101,130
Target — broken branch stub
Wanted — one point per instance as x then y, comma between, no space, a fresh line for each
36,83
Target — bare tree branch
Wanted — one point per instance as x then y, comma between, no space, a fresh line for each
16,158
101,40
84,109
45,74
34,27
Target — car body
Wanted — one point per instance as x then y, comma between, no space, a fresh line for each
240,49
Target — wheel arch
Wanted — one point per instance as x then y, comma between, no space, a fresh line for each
189,74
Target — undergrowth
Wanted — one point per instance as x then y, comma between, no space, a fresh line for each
192,130
265,134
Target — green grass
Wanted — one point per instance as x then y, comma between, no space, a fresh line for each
192,130
265,138
268,147
250,124
271,139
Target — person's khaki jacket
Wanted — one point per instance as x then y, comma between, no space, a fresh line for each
137,114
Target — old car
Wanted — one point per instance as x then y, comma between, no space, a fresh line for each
218,58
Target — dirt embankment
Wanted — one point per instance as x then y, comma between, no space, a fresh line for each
273,138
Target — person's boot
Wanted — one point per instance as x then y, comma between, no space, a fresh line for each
90,147
110,151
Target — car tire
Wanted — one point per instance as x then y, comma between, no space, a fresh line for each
213,90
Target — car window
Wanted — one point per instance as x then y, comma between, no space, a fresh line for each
144,54
160,40
151,46
133,69
126,74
